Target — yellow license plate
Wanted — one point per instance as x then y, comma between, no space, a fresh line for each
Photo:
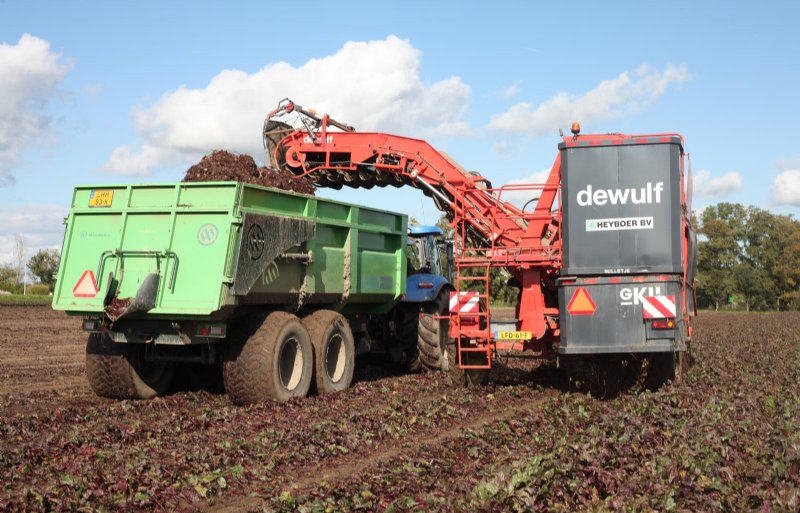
514,335
101,198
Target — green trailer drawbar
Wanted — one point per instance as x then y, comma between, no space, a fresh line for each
269,291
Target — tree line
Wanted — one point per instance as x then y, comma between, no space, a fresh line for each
748,258
41,267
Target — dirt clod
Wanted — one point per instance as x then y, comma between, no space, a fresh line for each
223,165
117,306
724,440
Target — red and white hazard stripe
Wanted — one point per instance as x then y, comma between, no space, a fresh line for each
658,307
464,302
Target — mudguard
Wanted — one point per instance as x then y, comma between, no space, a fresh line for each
417,294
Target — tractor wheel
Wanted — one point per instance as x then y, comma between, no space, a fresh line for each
334,350
121,372
406,327
198,377
432,334
274,362
437,351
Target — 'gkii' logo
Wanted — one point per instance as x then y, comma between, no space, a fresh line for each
635,295
587,197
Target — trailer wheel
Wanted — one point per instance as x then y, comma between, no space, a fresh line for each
120,371
334,350
276,361
407,328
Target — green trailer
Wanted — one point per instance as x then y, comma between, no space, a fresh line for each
274,291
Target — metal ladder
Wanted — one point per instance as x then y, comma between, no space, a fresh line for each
472,339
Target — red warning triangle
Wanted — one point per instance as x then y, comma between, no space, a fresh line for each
581,303
86,286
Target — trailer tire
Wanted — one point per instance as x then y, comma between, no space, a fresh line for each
275,362
407,326
334,350
120,371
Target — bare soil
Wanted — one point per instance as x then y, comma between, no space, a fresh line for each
727,439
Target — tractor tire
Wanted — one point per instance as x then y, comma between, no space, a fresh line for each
120,371
439,352
334,350
198,377
406,327
433,335
275,362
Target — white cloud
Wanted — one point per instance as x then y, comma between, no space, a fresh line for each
30,73
41,226
521,195
129,161
716,187
511,91
629,92
95,89
787,164
370,85
786,188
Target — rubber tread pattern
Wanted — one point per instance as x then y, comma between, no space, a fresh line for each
248,369
317,324
107,368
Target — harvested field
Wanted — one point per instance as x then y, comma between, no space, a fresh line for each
727,440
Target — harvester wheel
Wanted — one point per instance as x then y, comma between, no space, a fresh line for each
121,372
437,351
276,361
334,350
663,368
465,377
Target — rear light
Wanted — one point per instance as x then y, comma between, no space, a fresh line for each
211,330
663,324
425,285
90,325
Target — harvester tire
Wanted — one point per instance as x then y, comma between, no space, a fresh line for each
120,371
439,352
334,350
275,362
663,368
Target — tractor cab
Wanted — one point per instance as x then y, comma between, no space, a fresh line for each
429,256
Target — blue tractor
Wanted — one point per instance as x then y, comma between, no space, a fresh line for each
424,338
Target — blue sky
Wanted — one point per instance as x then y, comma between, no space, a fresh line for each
114,92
